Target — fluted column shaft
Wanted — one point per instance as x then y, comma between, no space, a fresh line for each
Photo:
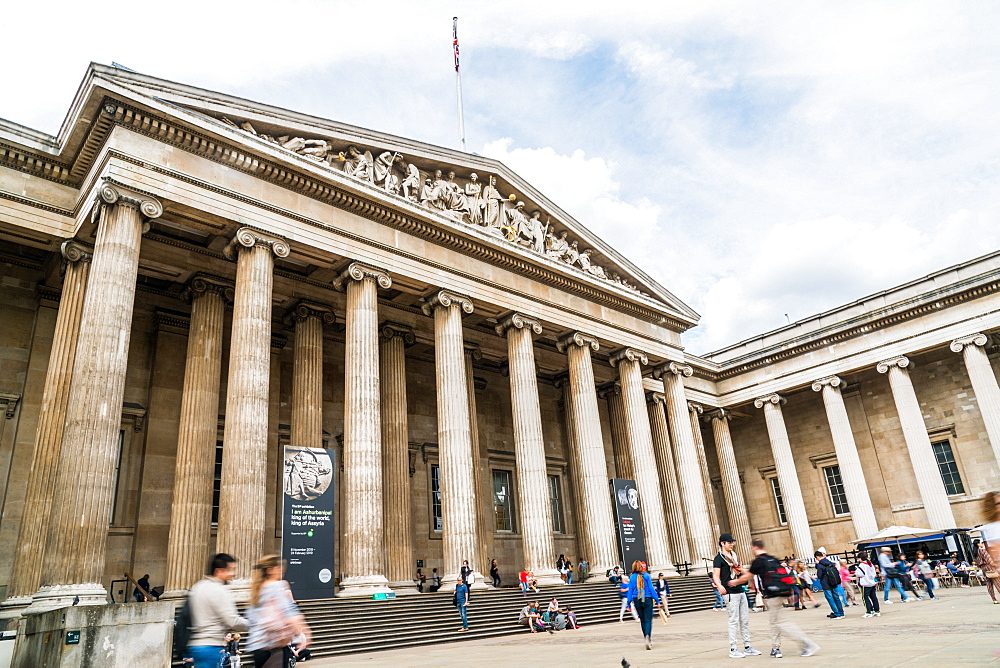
78,527
703,543
30,546
191,507
788,479
851,473
483,513
984,384
593,500
364,532
694,415
911,419
732,489
534,507
307,378
619,433
673,509
397,514
243,485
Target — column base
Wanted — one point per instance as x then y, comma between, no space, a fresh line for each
548,576
668,571
700,570
50,597
403,587
174,595
12,610
363,586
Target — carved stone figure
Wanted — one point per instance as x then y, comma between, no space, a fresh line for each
411,184
474,200
358,164
383,171
572,255
517,223
429,195
454,198
492,206
315,149
534,231
555,247
589,267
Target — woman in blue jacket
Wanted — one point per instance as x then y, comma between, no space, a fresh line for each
642,594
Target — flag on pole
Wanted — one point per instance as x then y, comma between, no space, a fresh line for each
454,37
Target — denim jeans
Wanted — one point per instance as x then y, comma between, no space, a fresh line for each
207,656
644,606
464,612
891,583
930,586
833,598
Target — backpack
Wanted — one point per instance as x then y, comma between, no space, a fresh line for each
183,623
777,579
831,578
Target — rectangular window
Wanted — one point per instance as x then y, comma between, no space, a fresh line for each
835,485
948,468
555,500
779,503
502,501
436,523
217,483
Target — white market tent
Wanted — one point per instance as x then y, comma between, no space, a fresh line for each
896,532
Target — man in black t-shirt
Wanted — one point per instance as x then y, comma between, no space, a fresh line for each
725,568
764,566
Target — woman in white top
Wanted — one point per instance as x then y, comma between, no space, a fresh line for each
868,579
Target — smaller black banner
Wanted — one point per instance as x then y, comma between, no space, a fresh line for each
628,519
307,536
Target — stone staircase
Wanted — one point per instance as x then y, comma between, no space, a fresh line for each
344,626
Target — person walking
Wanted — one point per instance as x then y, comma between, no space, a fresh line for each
663,593
846,583
462,602
988,551
213,613
623,595
891,575
495,572
925,573
991,574
868,580
435,580
583,570
906,575
805,585
468,577
419,580
725,568
641,594
829,580
776,582
275,620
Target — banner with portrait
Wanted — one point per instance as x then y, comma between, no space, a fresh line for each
628,521
307,531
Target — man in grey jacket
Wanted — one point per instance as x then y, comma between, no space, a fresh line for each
891,574
213,613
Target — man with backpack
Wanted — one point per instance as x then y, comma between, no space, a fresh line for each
776,582
829,578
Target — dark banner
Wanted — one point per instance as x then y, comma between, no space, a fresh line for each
307,537
628,519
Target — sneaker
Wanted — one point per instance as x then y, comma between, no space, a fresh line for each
876,614
888,602
831,616
750,651
775,653
810,650
840,617
736,654
905,600
867,615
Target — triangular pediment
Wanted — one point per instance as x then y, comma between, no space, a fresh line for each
465,189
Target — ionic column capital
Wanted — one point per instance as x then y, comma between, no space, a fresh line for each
683,370
473,351
304,309
695,407
110,193
900,361
357,271
76,251
248,237
979,339
577,339
721,414
393,330
829,381
630,354
774,399
656,398
517,321
609,390
445,299
201,284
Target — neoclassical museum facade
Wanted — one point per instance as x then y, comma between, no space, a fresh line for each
192,281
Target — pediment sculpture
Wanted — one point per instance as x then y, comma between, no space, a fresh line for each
471,201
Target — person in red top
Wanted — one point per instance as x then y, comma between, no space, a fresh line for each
522,577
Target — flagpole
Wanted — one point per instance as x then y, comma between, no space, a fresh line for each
458,82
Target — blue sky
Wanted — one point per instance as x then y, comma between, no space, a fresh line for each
757,158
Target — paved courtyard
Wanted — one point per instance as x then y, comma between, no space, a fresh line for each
963,627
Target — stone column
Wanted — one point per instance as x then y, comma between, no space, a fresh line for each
307,376
194,471
695,411
243,487
673,508
852,475
593,496
788,479
78,524
397,513
612,393
30,546
484,531
911,419
732,487
456,459
693,495
364,533
534,507
640,441
984,384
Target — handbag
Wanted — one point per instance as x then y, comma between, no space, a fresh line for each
993,575
275,632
